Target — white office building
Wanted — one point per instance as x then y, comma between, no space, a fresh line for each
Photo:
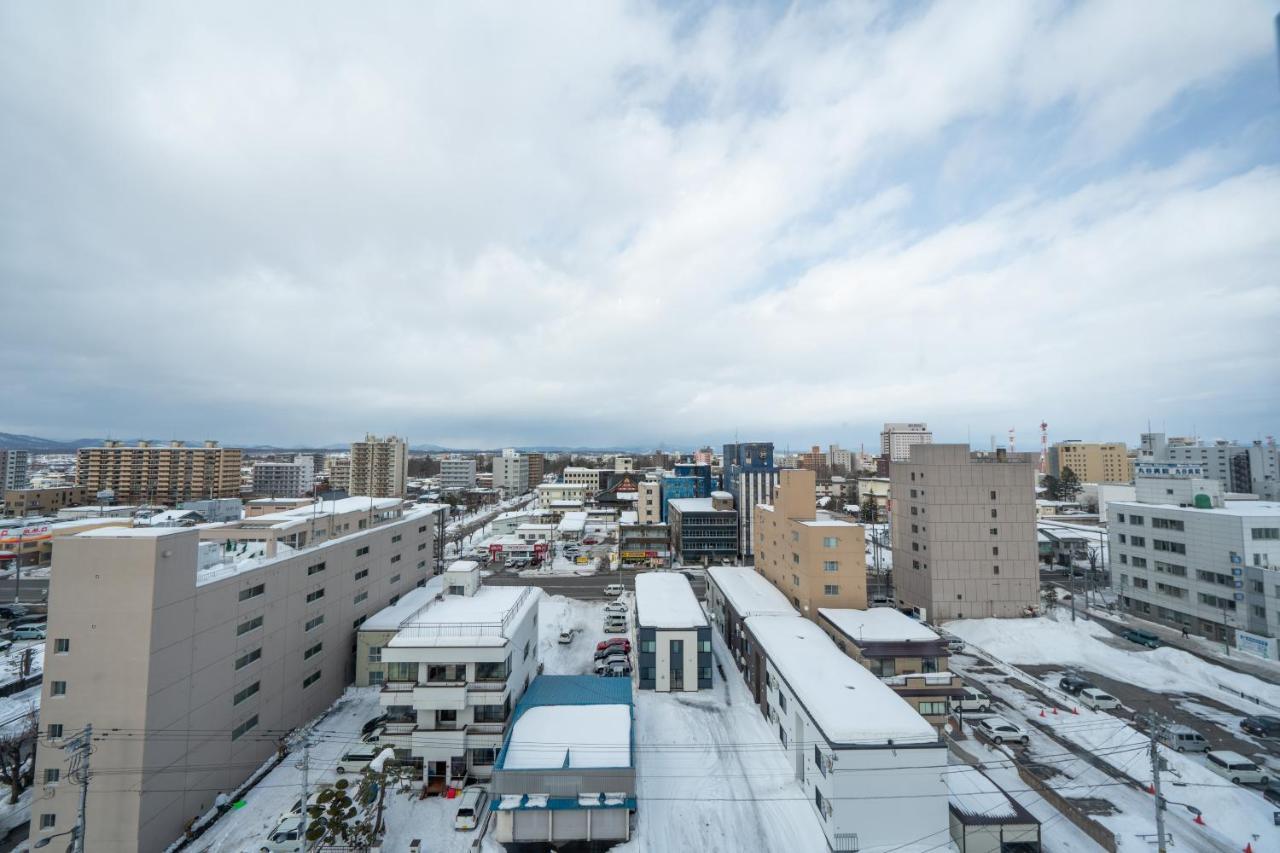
457,667
457,472
896,439
14,466
511,472
284,479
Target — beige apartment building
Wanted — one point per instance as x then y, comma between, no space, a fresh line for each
193,652
815,562
1091,461
537,469
22,503
379,467
166,474
649,502
964,532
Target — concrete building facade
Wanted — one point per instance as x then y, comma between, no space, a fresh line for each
897,439
815,562
15,466
511,472
672,634
749,474
22,503
964,533
160,474
649,502
284,479
213,642
379,467
703,530
457,472
537,469
1092,461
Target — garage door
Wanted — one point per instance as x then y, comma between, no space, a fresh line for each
530,826
568,824
609,823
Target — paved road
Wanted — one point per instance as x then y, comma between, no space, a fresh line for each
33,589
586,587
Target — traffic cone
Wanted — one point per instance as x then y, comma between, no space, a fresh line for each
1075,711
1055,710
1248,848
1042,712
1199,821
1151,789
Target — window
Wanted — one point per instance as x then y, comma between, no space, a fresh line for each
395,558
1139,542
240,730
995,570
422,529
830,566
994,513
422,546
1124,558
646,673
51,775
245,693
315,623
933,709
360,552
824,807
248,658
310,679
704,646
57,688
1124,540
356,623
648,646
795,558
252,592
362,574
483,756
375,654
360,597
47,820
1167,524
248,625
494,671
394,579
1171,547
1265,533
54,731
61,646
795,536
1140,583
315,570
526,650
782,735
313,651
993,495
830,542
782,701
830,589
375,677
396,538
817,759
995,550
1121,517
315,595
1136,520
795,580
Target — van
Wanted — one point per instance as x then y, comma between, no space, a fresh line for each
1237,768
1098,700
357,759
1183,739
971,700
614,589
1142,638
470,807
286,837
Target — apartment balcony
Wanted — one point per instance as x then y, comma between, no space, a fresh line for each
440,695
487,692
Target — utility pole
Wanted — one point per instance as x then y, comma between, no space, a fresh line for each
79,747
1154,727
1071,570
304,765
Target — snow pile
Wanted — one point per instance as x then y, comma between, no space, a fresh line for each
665,600
577,736
1080,644
556,614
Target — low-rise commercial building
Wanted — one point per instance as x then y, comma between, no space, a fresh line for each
592,480
216,510
457,667
703,530
871,767
815,561
25,503
673,635
641,544
566,771
904,653
214,641
550,494
649,508
878,491
375,632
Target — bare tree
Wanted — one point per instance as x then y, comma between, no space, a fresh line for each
18,752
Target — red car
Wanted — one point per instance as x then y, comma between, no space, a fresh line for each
614,641
590,541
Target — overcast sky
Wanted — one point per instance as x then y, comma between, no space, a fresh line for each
527,223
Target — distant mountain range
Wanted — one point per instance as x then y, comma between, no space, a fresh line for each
15,441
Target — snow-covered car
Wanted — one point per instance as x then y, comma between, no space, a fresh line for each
602,654
614,589
566,637
616,670
615,607
1000,730
1098,700
611,661
286,837
971,700
1237,768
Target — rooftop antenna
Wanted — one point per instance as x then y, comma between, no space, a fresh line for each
1012,443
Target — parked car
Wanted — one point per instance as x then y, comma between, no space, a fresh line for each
1073,684
32,619
971,700
616,607
29,632
471,806
1183,739
1098,700
357,759
373,724
286,837
614,589
614,641
1272,791
613,661
5,645
374,736
616,627
1000,730
566,637
13,611
590,541
1237,768
1142,638
616,670
603,654
517,564
1262,725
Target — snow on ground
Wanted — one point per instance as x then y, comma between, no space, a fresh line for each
702,788
14,708
1081,644
560,566
557,613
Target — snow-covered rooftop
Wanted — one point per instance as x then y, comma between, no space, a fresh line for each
485,618
749,593
827,522
570,736
695,505
973,794
665,600
389,618
878,625
847,703
1240,508
463,566
131,532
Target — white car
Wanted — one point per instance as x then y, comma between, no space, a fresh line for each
357,759
1237,768
566,637
470,807
1000,730
285,838
1098,700
616,627
614,589
616,607
971,700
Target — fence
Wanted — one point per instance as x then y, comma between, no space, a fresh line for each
1090,827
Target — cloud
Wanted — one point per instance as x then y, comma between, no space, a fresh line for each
613,223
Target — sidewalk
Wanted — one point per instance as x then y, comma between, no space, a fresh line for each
1210,651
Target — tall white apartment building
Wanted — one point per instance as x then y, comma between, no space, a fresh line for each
586,477
838,457
284,479
896,439
457,667
1184,556
964,532
338,470
14,467
511,472
457,472
193,651
379,467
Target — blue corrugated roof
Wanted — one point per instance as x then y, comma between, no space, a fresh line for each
575,690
